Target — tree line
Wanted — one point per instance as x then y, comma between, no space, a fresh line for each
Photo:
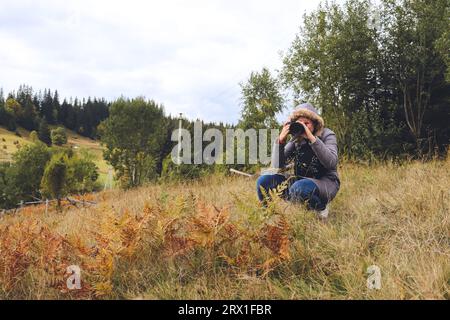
37,110
379,74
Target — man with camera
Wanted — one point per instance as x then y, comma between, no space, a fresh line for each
313,150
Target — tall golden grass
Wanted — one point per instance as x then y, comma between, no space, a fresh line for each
211,239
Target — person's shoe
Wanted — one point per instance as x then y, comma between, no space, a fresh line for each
323,214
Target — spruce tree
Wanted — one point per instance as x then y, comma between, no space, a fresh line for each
44,132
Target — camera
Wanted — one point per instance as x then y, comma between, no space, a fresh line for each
296,128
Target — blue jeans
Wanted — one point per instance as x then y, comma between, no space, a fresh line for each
304,190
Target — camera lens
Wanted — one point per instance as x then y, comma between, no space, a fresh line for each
296,128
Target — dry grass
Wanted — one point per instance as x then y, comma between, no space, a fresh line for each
210,239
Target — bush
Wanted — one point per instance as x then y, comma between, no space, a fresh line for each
66,174
34,136
31,171
9,192
28,169
58,136
172,171
82,175
54,180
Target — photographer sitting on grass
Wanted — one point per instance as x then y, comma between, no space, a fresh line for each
313,148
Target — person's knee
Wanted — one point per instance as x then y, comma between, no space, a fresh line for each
261,180
263,183
302,190
267,182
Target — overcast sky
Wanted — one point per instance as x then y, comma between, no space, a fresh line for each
188,55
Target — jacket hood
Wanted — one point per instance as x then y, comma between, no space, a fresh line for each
307,110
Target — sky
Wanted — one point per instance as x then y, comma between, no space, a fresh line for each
189,56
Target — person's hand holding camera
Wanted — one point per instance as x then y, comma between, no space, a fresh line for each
307,134
296,128
284,133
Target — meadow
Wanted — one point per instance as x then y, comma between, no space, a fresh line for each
10,143
211,239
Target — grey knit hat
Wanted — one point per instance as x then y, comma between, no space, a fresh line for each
307,110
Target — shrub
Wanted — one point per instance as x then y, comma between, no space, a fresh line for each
28,169
54,180
58,136
82,175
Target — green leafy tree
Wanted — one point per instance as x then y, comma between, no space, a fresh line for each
443,45
28,167
82,173
262,100
58,136
14,107
13,110
9,191
415,45
6,115
133,136
54,180
376,74
333,64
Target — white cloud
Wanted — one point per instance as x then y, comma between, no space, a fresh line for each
188,55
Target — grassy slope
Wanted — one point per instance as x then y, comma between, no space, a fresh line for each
168,241
74,140
7,147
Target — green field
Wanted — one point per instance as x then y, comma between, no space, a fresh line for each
10,143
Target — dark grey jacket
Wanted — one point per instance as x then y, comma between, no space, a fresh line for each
326,150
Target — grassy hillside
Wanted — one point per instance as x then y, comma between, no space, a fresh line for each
9,142
211,239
